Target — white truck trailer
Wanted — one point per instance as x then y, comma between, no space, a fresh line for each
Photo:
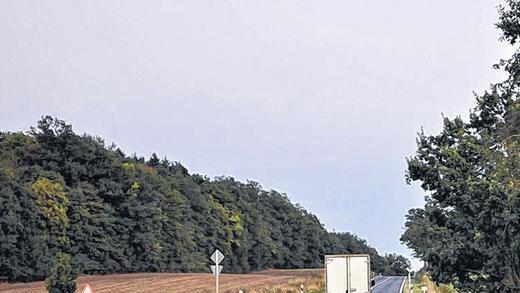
349,273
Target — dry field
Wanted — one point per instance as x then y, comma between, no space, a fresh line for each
265,281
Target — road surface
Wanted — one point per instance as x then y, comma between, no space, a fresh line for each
387,284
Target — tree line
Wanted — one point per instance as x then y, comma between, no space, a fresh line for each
71,204
468,232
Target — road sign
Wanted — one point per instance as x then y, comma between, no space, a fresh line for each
217,256
216,271
87,289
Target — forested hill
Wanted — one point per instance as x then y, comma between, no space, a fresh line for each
63,193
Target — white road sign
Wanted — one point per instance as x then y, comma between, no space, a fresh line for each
87,289
215,271
217,256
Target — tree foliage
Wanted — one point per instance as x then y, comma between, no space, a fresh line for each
62,276
469,230
62,194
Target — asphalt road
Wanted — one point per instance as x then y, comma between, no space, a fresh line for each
387,284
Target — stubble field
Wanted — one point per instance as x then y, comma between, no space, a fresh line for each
264,281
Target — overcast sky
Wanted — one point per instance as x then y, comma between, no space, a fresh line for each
318,99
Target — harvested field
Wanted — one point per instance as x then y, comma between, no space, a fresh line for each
264,281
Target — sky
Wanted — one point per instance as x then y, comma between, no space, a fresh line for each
321,100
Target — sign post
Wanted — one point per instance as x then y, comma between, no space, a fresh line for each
216,257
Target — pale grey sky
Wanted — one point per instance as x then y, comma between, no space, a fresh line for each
318,99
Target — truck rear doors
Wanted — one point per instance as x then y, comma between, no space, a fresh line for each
347,273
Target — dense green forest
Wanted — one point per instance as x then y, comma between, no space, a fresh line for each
469,230
70,201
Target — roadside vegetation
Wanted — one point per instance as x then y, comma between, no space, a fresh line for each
424,280
468,232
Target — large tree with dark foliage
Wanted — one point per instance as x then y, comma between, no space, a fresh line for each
469,230
66,198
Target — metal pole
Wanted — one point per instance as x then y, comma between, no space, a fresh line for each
409,282
216,274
